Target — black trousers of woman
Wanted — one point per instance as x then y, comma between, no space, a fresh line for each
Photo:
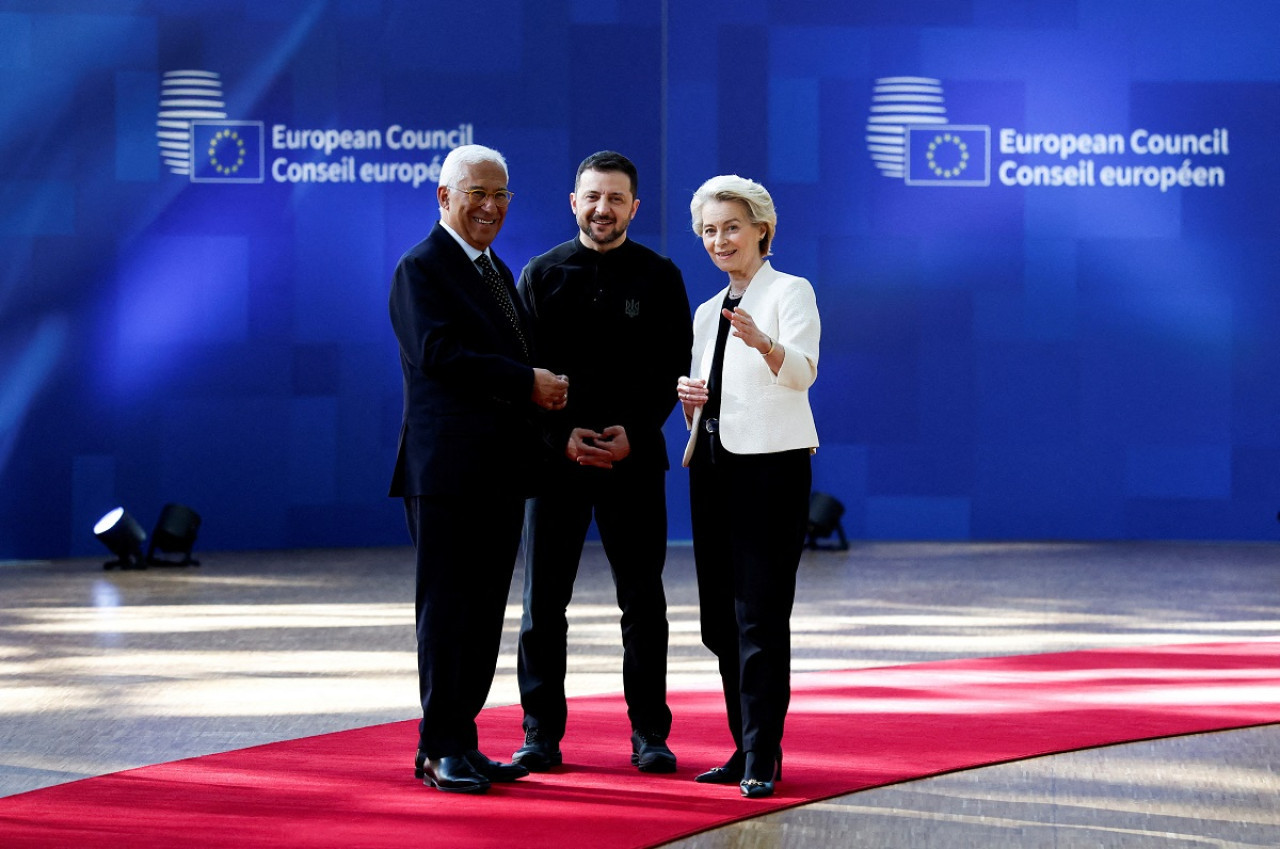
749,514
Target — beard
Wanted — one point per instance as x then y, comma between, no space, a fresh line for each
610,236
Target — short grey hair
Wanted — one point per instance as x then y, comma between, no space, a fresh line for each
754,196
468,154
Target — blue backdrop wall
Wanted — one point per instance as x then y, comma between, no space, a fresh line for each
1044,237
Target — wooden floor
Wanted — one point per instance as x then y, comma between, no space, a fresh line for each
107,670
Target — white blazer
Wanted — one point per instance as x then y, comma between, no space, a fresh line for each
761,412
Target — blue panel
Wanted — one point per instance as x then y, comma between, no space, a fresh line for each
691,15
1050,308
976,263
1189,519
15,40
1028,394
341,292
1255,474
631,108
441,40
998,315
37,208
77,42
840,470
874,13
794,129
594,11
1148,393
742,146
360,10
136,157
313,450
1241,206
1171,471
288,11
799,253
1049,491
1121,214
1157,363
1030,14
175,292
694,135
933,469
317,370
1188,40
1011,360
829,52
29,358
230,461
929,211
93,493
378,523
947,400
1255,364
918,518
368,426
1151,374
1158,287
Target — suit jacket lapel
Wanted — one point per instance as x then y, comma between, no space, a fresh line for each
476,291
465,274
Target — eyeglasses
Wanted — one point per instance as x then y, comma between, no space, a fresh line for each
501,197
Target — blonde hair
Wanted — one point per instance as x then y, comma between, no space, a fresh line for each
751,194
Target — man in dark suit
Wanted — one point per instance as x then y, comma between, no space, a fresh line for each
466,461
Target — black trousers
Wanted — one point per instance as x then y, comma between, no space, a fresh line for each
466,553
749,514
630,511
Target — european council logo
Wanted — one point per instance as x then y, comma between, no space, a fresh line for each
898,103
948,155
910,136
186,96
226,151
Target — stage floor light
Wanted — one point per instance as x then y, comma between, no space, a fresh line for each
174,534
824,520
123,537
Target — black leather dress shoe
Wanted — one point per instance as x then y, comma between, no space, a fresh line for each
453,774
650,753
730,773
539,752
493,770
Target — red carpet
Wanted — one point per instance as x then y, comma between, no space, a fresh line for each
846,731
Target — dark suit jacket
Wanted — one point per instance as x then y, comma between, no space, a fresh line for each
468,425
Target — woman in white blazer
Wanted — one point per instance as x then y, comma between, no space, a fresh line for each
746,403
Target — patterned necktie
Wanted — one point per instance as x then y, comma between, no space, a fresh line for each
494,281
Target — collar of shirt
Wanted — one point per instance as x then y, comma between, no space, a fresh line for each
472,253
587,250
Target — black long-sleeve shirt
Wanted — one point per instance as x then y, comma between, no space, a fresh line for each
618,324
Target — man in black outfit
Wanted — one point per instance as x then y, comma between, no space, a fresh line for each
614,317
468,453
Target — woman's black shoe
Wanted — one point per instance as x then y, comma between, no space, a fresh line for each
730,773
759,774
